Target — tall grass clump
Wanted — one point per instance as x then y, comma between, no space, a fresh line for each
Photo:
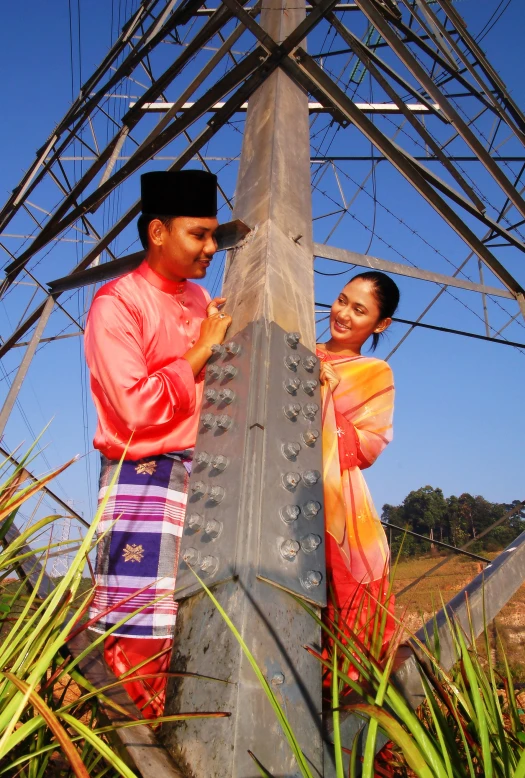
53,722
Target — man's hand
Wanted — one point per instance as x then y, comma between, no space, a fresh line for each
215,305
328,375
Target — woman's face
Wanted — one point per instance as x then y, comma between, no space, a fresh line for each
355,315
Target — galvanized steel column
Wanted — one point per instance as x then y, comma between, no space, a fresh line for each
254,525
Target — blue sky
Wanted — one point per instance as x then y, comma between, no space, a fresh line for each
459,423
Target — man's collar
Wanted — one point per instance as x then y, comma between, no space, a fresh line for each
160,282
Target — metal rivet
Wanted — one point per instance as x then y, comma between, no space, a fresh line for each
310,543
290,450
311,509
292,362
289,513
202,458
209,421
310,436
277,679
198,488
209,565
309,363
211,395
292,385
195,522
213,528
230,371
215,372
290,480
217,349
310,386
292,410
217,494
224,421
292,338
312,579
309,410
191,556
226,396
311,477
219,462
289,549
232,348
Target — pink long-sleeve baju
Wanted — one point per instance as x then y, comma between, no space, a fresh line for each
138,329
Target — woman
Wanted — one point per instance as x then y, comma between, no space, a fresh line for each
358,397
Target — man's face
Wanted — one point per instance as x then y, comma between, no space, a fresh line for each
185,248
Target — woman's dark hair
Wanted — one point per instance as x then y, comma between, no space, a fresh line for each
387,295
144,222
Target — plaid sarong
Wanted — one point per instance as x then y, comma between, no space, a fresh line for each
146,507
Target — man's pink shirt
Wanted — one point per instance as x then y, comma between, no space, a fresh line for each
138,328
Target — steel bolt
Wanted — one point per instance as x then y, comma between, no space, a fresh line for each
292,410
311,477
277,679
290,480
311,580
219,462
198,488
230,371
309,410
209,421
215,372
217,349
217,494
292,385
310,543
211,395
292,338
291,450
292,362
209,565
289,549
226,396
191,556
202,458
195,522
309,363
224,421
310,436
311,509
233,348
310,386
213,528
289,513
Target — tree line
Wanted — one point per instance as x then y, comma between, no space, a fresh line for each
453,520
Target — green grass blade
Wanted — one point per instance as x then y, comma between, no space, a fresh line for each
339,768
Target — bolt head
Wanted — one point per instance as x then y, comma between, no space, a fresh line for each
290,480
309,410
219,462
191,556
311,477
213,528
291,450
292,410
292,338
202,458
290,513
289,549
309,363
311,580
310,386
277,679
215,372
311,509
209,565
310,543
198,488
195,522
217,494
292,385
233,348
211,395
217,349
226,396
230,371
310,436
292,362
208,421
224,421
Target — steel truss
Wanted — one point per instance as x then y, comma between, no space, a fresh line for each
423,57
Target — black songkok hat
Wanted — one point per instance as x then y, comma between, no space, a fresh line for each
179,193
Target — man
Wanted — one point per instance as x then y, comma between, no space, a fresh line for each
148,337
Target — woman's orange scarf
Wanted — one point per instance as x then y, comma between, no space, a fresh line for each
365,397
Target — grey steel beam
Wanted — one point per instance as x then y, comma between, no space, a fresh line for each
365,260
269,286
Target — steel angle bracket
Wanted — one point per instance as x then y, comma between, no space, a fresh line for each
291,530
209,538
